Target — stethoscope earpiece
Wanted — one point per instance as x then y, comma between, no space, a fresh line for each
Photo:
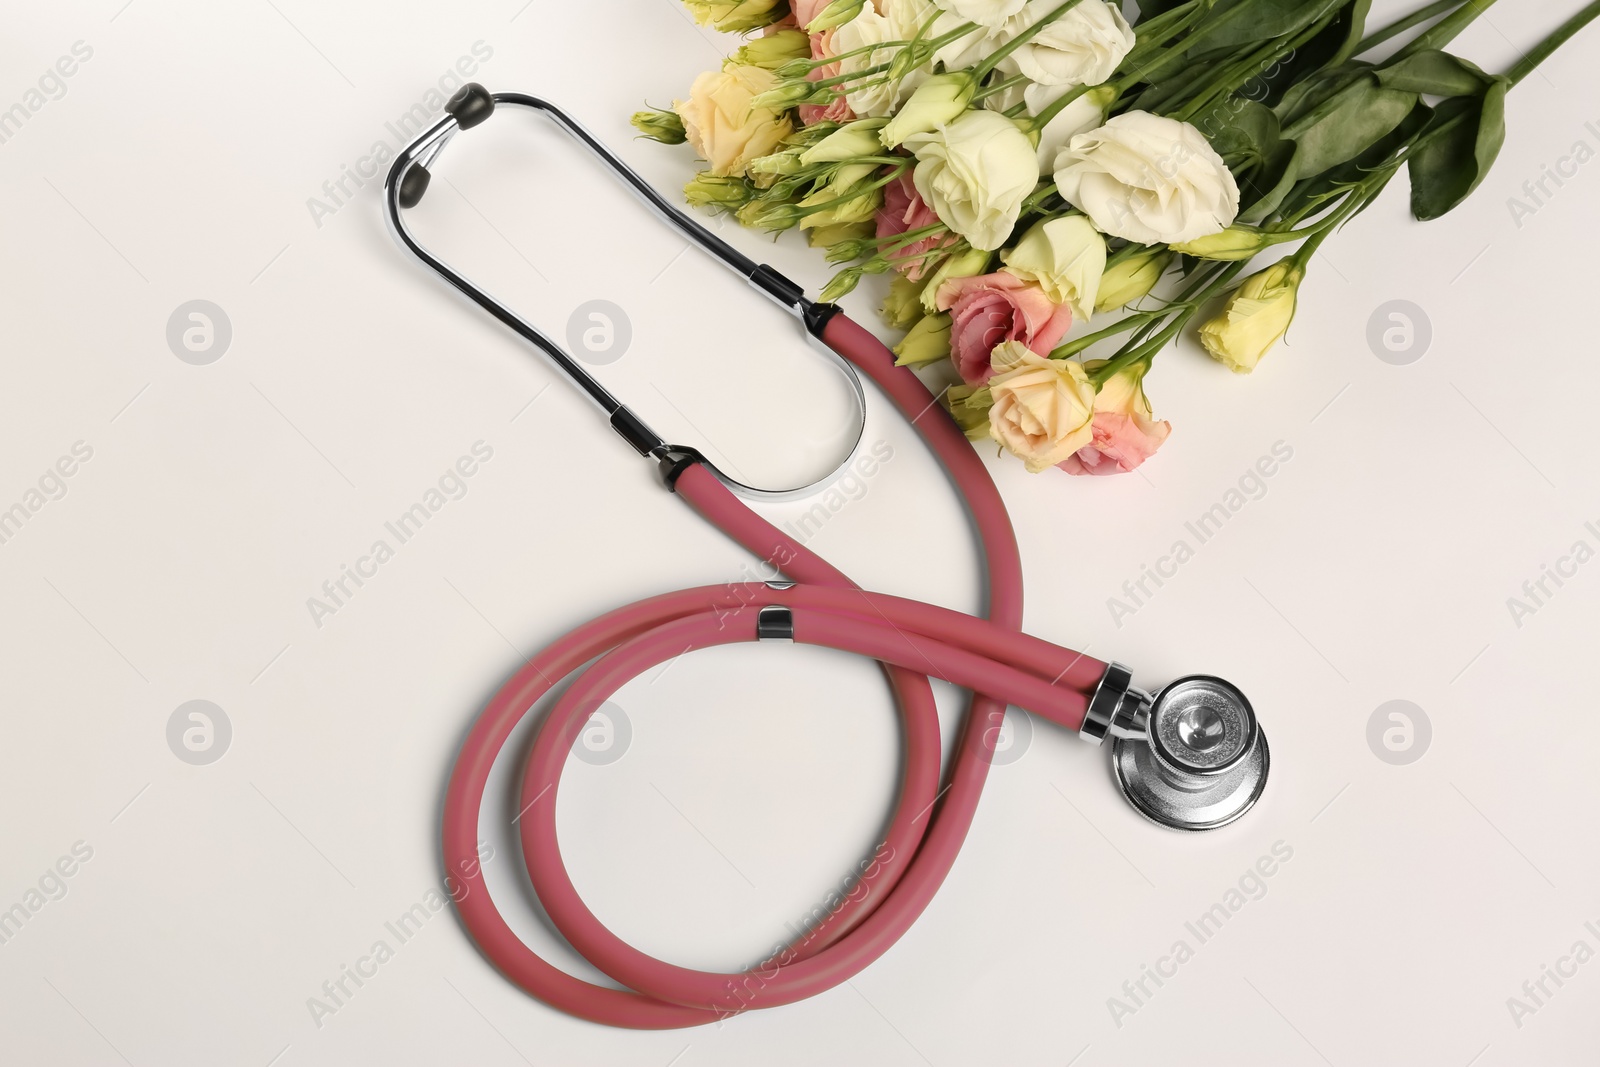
1201,760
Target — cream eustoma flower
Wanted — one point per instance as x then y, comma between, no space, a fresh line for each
722,125
1043,408
1083,47
874,95
975,174
908,17
1065,258
1257,315
1148,179
991,14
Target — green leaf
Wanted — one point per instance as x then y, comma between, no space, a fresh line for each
1263,191
1348,123
1449,167
1329,49
1240,129
1433,73
1233,23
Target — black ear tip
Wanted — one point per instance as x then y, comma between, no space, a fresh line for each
413,185
470,105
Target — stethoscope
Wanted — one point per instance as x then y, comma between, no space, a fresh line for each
1192,757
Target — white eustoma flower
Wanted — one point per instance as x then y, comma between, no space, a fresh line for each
1149,179
871,95
989,13
1085,113
975,174
909,17
1065,258
1083,47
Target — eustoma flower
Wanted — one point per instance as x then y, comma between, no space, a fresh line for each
903,211
994,308
1148,179
1255,318
975,173
1082,47
722,124
1043,408
990,13
1065,258
733,16
1124,432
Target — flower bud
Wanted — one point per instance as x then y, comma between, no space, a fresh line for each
835,14
790,94
854,140
764,215
837,193
1255,317
735,16
1236,243
926,342
1131,279
963,263
778,164
969,407
663,126
937,102
845,241
776,50
902,308
710,190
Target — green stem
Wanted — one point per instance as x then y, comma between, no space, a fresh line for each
1399,26
1122,325
1543,50
1237,74
1447,29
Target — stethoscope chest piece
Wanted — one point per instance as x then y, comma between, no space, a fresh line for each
1202,760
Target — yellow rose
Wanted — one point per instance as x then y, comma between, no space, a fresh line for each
724,126
1065,257
1256,316
1043,408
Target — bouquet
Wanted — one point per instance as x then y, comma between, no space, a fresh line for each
1024,167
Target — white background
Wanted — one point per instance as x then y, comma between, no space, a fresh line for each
1376,567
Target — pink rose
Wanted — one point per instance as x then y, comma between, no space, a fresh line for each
904,210
1125,430
992,308
837,109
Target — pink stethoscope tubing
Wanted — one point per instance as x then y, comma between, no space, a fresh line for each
912,639
1191,758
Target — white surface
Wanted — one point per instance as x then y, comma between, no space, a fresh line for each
177,567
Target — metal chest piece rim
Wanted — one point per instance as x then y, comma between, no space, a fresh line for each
1200,760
